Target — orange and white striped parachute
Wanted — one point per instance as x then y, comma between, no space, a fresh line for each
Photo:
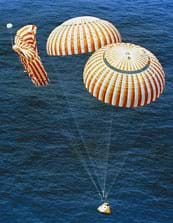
25,47
124,75
81,35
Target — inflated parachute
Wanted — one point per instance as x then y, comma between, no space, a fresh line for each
124,75
25,47
81,35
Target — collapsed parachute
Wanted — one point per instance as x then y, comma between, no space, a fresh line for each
25,47
124,75
81,35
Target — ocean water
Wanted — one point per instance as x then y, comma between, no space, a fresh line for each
50,136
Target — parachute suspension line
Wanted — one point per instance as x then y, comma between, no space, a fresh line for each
93,179
88,171
124,161
91,162
12,40
107,157
115,177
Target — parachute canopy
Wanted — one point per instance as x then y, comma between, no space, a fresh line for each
124,75
25,47
81,35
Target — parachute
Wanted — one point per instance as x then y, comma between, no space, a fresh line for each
81,35
25,47
120,74
9,25
124,75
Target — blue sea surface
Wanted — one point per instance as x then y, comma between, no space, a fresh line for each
50,136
